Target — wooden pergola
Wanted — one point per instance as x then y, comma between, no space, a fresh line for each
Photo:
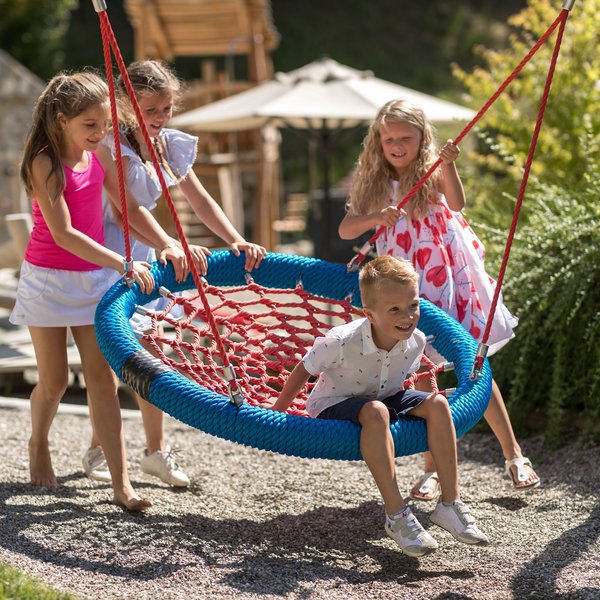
208,29
171,28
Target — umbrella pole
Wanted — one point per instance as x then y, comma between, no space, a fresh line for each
327,217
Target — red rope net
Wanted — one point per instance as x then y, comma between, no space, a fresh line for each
265,332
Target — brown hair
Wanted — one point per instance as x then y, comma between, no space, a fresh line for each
381,270
147,77
68,95
371,186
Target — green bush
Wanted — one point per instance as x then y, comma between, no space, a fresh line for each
550,371
552,367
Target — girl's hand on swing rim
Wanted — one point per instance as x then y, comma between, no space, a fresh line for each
176,255
254,253
199,254
142,276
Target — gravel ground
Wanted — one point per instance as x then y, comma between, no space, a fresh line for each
257,525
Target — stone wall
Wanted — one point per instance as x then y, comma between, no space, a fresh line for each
19,89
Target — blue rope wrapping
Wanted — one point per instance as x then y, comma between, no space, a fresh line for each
265,429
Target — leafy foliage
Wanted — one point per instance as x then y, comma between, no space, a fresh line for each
33,31
553,365
552,368
573,110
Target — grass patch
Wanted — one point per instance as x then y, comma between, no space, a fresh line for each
15,585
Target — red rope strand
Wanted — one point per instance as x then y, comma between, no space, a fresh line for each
534,139
107,33
561,18
115,125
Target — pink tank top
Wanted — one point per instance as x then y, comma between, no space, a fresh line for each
83,195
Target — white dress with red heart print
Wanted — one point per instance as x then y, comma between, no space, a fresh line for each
449,258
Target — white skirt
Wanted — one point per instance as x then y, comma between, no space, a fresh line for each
59,298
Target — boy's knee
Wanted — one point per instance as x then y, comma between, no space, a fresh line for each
437,404
374,412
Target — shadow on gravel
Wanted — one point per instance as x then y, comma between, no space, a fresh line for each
69,528
555,557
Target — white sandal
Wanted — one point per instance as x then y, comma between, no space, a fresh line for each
428,486
519,463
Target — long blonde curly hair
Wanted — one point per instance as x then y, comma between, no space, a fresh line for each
371,186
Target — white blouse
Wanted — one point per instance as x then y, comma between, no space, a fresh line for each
144,186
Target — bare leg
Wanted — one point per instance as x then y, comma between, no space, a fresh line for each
377,448
94,441
102,394
424,385
50,345
152,417
497,418
441,438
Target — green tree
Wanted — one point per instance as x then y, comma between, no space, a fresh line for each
572,114
33,32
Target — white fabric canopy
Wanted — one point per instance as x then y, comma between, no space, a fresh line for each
322,94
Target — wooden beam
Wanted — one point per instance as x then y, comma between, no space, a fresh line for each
159,32
140,29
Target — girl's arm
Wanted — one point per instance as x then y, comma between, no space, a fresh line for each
58,219
292,387
199,253
211,214
452,186
353,226
145,226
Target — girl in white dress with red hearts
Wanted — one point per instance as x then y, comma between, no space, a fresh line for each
430,231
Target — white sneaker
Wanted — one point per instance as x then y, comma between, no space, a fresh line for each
410,535
162,464
95,466
458,520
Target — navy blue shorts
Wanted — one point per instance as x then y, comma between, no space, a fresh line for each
399,405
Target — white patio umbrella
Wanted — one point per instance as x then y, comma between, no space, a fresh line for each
321,93
322,97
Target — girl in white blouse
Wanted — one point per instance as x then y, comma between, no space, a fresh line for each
157,88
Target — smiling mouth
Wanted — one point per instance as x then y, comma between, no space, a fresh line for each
404,327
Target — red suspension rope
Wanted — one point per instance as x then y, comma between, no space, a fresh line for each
482,351
108,39
115,121
357,260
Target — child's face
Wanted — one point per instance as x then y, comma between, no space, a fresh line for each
401,143
157,110
394,313
87,129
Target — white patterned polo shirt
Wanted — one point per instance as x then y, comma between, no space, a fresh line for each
348,363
